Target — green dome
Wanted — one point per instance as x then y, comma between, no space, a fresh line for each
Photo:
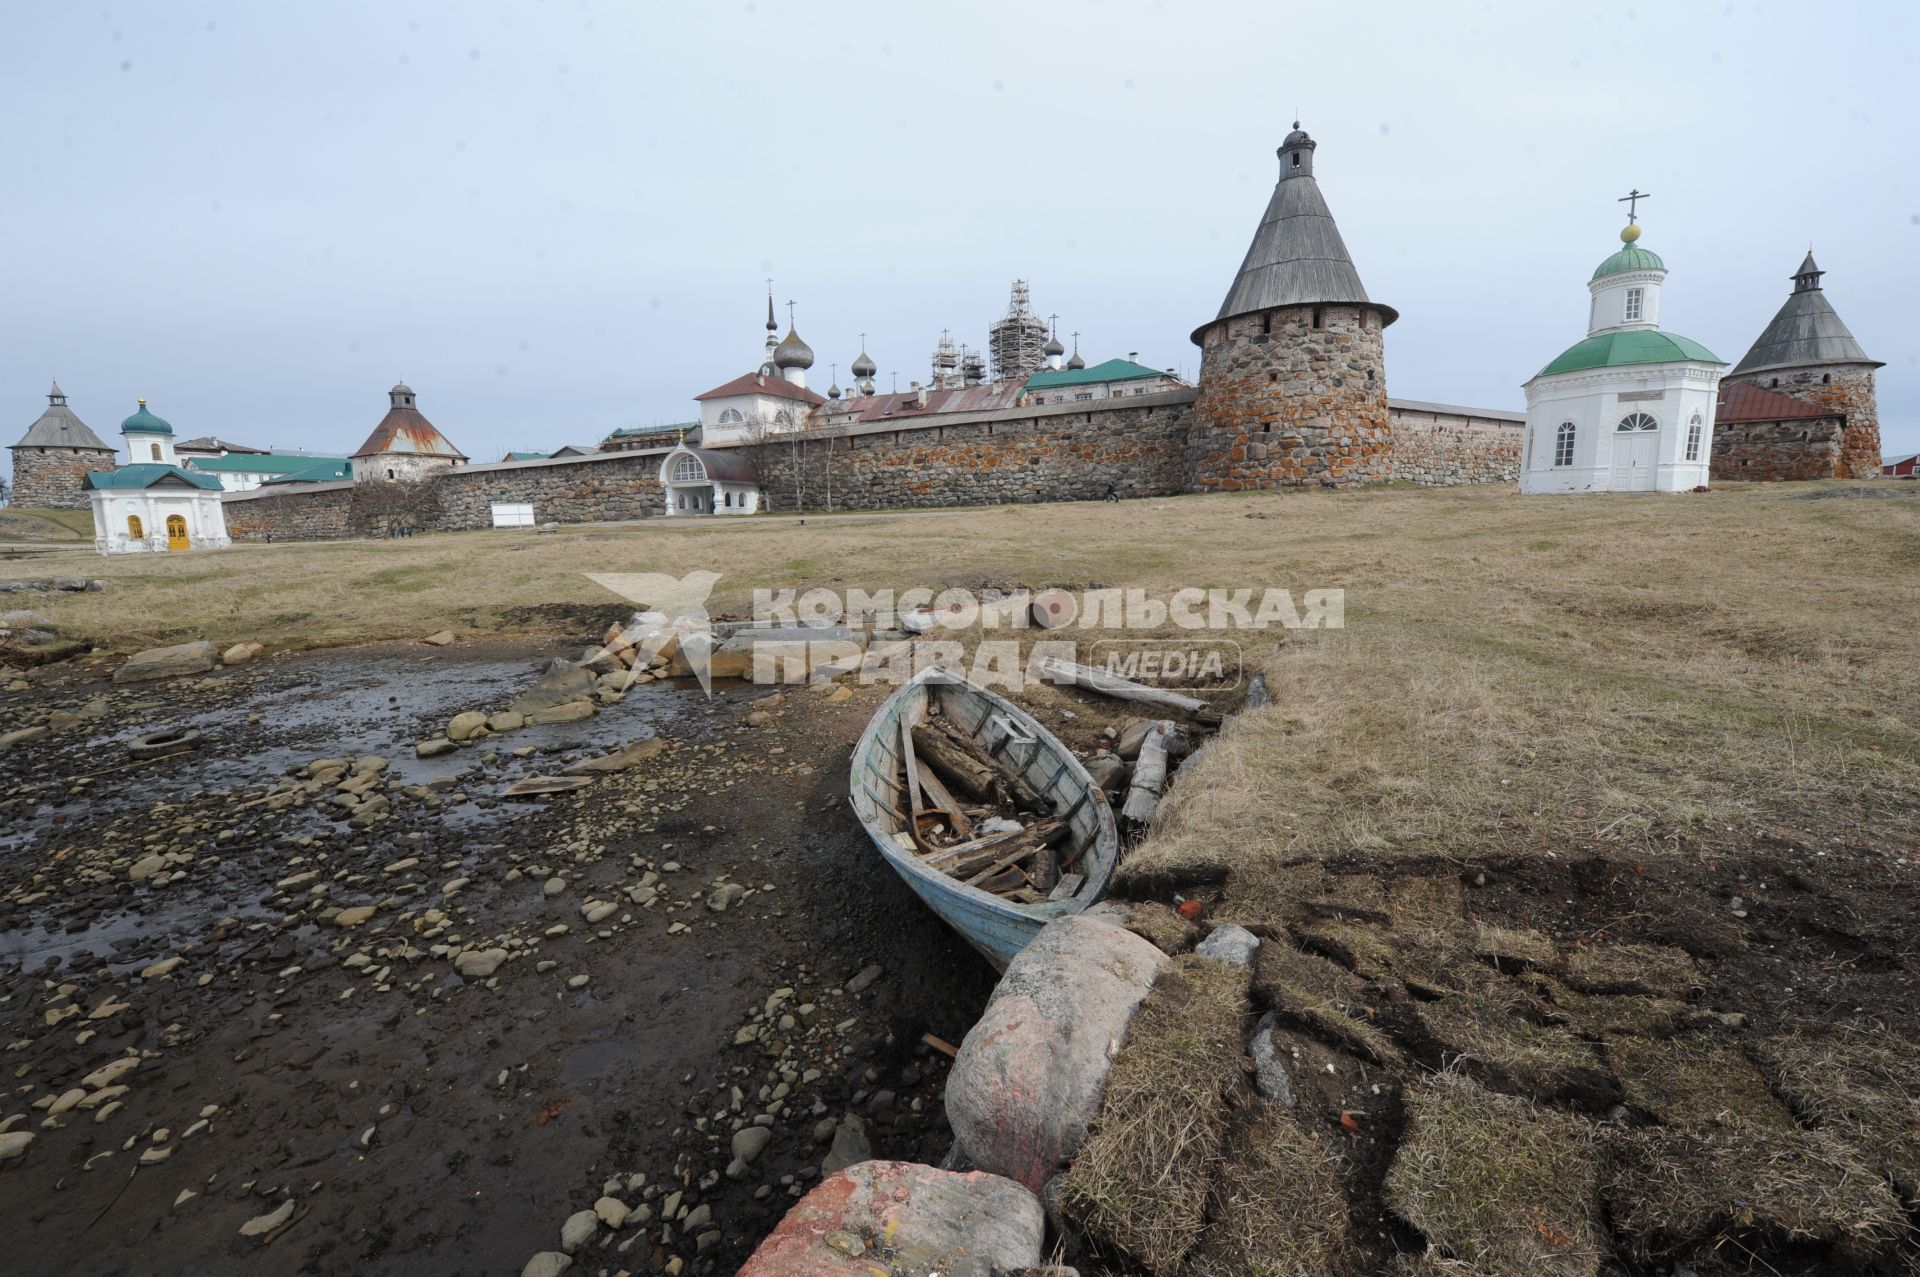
1635,346
1631,257
145,423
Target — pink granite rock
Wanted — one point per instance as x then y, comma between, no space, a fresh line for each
1029,1075
898,1217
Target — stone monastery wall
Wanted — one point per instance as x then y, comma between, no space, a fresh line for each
1854,453
1807,448
1056,452
1434,445
55,478
1066,452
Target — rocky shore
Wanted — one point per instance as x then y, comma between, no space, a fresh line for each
296,997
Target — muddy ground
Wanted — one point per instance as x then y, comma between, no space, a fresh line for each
319,1093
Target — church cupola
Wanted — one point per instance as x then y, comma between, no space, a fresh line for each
1626,286
149,438
401,396
1296,154
1807,278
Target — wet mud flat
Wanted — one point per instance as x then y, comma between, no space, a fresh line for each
420,1029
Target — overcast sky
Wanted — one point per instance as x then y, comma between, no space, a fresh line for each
554,219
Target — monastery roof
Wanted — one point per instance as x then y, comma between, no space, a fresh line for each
146,475
626,432
1297,258
323,470
261,463
755,383
1111,370
58,427
1634,346
145,422
525,456
407,430
1740,401
210,443
1806,332
906,403
723,465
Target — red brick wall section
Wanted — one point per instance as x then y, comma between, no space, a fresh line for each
56,478
1291,398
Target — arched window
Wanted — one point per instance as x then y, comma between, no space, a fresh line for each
687,469
1693,438
731,417
1826,379
156,451
1636,421
135,529
1563,445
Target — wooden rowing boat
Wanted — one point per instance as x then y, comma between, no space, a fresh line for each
887,798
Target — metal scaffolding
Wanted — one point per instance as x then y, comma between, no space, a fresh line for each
1017,341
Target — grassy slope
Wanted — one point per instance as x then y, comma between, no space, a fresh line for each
20,523
1513,669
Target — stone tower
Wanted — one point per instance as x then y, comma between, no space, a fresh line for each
51,461
405,446
1293,388
1806,352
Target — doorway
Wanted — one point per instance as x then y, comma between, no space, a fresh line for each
176,532
1636,454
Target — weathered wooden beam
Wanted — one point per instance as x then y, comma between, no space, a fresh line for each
1149,774
1099,680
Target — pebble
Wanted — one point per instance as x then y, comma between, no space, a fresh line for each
750,1142
578,981
265,1223
578,1230
478,964
354,917
554,886
612,1211
13,1145
548,1263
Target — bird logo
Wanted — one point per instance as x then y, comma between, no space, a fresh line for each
672,615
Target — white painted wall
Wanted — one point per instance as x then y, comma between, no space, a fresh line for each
1596,401
206,519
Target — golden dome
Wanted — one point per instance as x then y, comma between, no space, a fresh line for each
1631,233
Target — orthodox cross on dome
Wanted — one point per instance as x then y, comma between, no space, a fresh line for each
1632,200
789,313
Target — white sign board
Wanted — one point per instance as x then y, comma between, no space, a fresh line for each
513,514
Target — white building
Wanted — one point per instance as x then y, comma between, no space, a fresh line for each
1630,408
705,481
1110,380
153,504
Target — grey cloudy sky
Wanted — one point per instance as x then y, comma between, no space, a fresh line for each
555,218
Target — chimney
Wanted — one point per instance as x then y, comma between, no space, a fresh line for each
1133,356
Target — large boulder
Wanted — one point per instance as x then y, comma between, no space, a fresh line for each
900,1217
1029,1075
559,685
168,662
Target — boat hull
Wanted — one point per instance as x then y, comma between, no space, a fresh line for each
997,928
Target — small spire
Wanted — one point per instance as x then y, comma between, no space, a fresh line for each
1807,278
56,395
773,325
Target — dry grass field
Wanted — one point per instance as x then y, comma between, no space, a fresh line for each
1513,670
1582,857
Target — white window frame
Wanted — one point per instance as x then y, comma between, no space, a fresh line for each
687,469
1635,304
1563,444
1637,423
1695,429
733,417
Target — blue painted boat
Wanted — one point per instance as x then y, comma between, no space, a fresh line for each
997,927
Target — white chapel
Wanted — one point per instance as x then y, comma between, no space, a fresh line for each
1630,408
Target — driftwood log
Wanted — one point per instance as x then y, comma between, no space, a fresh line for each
959,768
1149,774
1099,680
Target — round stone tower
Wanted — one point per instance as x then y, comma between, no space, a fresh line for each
52,460
1293,386
1808,353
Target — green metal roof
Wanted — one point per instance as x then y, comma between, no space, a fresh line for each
1112,370
1635,346
144,422
324,470
146,474
261,463
624,431
531,456
1632,257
